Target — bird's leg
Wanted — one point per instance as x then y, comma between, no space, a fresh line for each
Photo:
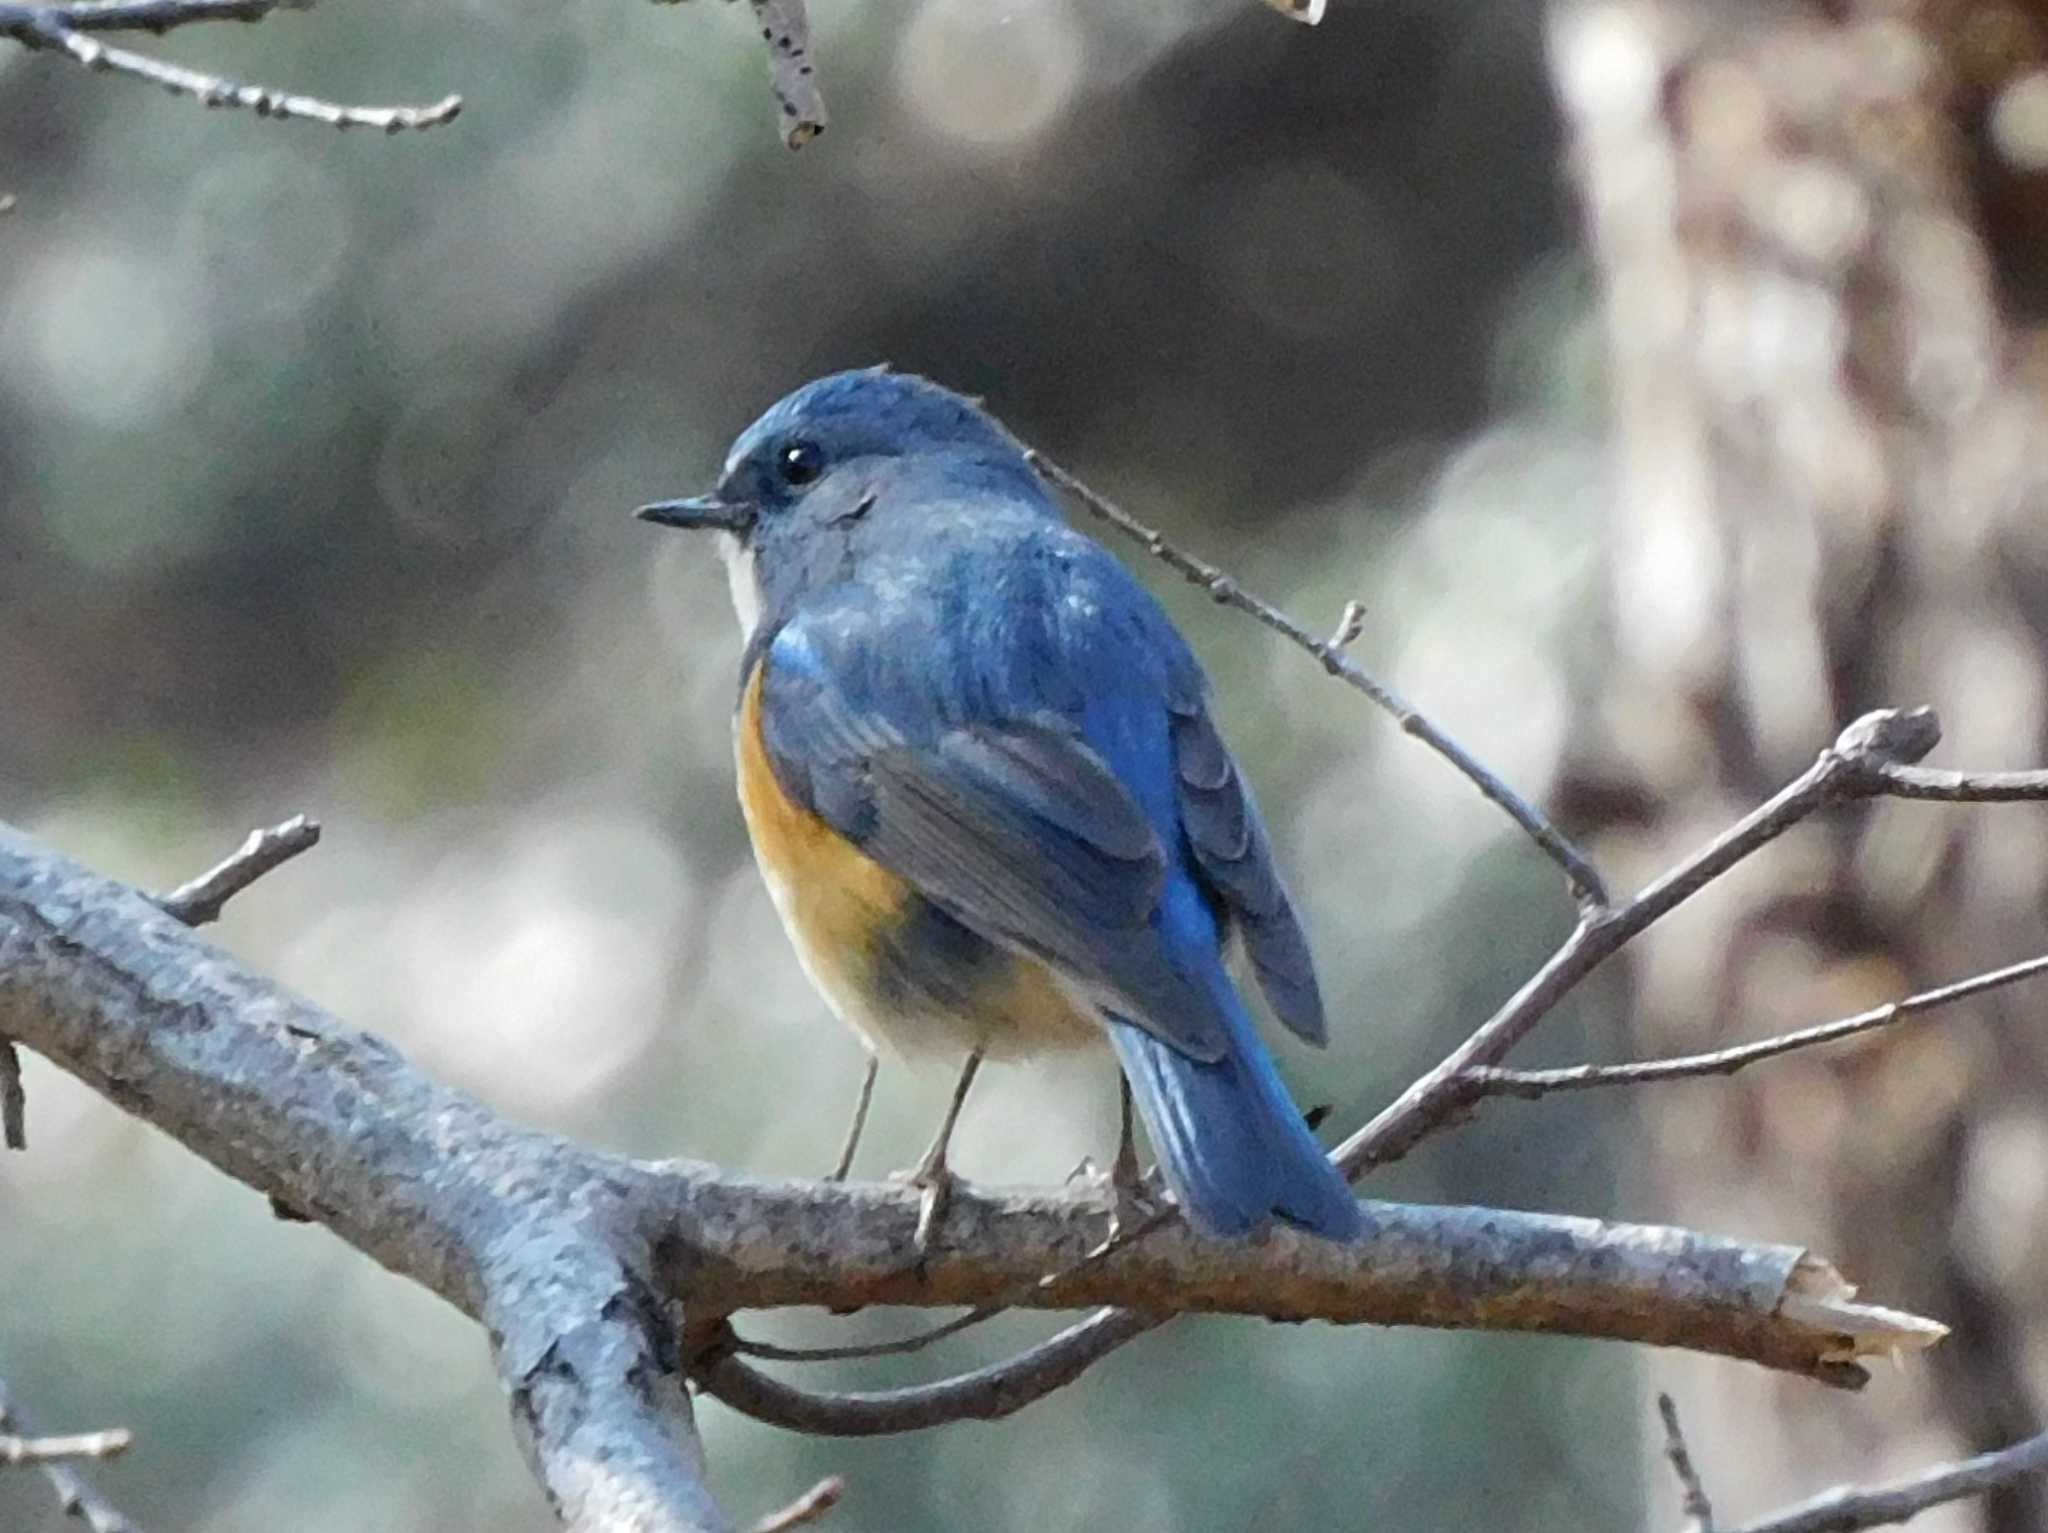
1135,1194
860,1119
1125,1176
931,1172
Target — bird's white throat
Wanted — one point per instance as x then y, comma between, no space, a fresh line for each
743,580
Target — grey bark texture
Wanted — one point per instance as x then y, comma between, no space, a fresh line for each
604,1283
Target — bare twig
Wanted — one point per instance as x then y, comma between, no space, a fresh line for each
75,1495
13,1100
809,1507
799,104
48,1450
1580,874
1852,768
1848,1508
786,29
1963,787
200,901
68,29
158,16
1350,624
769,1352
1500,1081
1699,1511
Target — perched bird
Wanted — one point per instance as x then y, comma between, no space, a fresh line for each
984,789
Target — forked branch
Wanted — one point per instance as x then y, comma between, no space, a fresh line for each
586,1268
76,1496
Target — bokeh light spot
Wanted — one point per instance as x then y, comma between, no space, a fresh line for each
105,334
989,77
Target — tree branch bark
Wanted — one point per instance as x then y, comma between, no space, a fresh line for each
584,1267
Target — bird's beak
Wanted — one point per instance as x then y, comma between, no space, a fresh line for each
699,511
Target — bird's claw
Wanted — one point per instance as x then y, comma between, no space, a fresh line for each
936,1181
1134,1196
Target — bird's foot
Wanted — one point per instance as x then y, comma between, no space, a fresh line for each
1134,1197
936,1180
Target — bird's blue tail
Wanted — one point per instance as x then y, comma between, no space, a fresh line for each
1231,1142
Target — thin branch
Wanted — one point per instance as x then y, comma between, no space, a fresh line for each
13,1100
1963,787
1530,1084
799,103
200,901
1847,1508
67,29
769,1352
1583,878
809,1507
1852,768
49,1450
984,1394
158,16
1699,1511
786,29
75,1495
1350,624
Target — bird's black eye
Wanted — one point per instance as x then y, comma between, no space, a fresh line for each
800,462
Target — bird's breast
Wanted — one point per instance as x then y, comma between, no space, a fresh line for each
891,964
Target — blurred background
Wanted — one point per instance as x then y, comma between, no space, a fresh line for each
317,454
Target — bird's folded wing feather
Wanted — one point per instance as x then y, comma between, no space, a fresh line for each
1230,846
1016,827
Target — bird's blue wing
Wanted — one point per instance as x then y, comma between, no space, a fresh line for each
1236,860
1003,814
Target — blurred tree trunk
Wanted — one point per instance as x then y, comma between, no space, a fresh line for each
1820,234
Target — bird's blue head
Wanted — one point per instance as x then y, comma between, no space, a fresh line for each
795,497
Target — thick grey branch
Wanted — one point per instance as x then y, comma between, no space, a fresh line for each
528,1234
743,1243
574,1259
